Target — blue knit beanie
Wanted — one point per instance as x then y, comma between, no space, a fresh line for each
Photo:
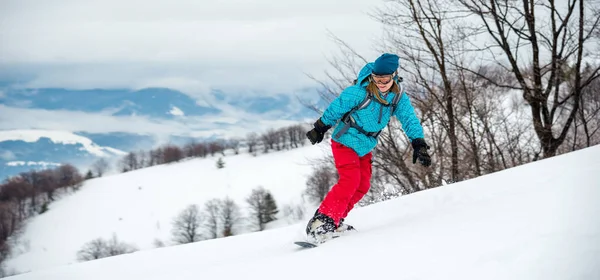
386,64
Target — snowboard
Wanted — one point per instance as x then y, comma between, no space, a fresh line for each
305,244
308,244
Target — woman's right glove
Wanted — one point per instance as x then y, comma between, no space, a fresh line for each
316,134
420,152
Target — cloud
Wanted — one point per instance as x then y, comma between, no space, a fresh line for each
176,111
230,123
7,155
189,45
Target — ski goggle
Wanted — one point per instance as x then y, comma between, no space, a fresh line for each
382,79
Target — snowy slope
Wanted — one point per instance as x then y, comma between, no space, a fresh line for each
537,221
139,206
58,137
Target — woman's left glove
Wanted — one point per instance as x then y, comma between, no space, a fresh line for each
316,134
420,152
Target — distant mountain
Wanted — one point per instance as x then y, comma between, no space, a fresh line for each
23,150
153,102
160,103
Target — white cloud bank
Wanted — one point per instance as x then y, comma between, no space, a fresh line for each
190,45
230,123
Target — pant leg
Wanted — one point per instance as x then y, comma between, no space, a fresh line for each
347,163
365,182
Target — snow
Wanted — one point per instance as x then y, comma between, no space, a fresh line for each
114,151
176,111
139,206
536,221
58,137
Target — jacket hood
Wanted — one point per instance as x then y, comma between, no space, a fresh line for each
364,73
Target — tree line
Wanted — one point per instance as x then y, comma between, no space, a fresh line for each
284,138
29,194
223,217
216,219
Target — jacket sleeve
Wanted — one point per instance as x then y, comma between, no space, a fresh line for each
407,117
348,99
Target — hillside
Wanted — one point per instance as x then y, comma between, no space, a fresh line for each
139,206
536,221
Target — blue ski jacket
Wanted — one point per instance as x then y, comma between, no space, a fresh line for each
368,118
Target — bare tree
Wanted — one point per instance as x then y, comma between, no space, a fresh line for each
186,226
143,159
32,178
252,141
292,136
269,139
345,67
421,33
201,150
17,190
587,121
156,157
212,210
68,176
188,149
100,248
298,135
100,166
320,182
393,152
234,144
130,162
172,153
49,183
230,216
294,212
115,247
282,139
10,224
93,250
263,207
555,35
216,147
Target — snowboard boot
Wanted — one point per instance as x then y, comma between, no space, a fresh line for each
320,228
341,228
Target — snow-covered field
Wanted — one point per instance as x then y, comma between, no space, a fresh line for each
56,136
537,221
139,206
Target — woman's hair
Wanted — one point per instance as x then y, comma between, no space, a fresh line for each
374,90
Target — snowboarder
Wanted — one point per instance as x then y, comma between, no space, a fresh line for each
361,111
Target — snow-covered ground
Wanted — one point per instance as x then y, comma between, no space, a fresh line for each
58,136
139,206
537,221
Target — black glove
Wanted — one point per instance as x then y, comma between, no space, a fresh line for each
420,152
316,134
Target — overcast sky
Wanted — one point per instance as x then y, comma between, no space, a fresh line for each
191,45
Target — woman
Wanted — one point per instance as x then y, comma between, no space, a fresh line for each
355,136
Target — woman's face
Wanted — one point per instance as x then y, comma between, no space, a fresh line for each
383,82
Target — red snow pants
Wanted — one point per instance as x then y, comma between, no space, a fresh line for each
354,182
